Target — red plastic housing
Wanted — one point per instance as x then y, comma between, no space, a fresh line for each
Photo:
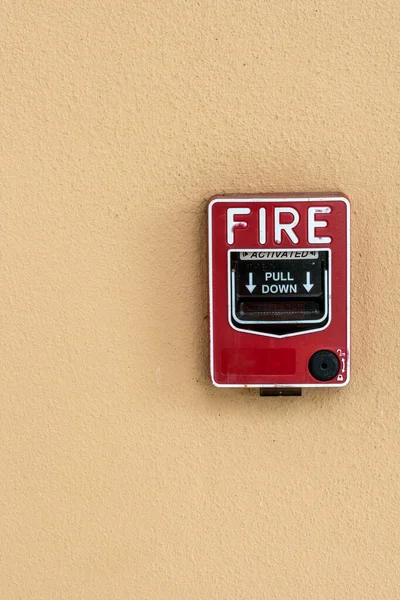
301,223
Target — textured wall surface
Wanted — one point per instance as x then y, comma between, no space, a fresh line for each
124,474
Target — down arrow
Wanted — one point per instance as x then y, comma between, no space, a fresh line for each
250,285
308,285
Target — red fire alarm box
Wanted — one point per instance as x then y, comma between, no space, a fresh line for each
279,291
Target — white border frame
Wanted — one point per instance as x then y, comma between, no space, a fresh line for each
328,300
243,199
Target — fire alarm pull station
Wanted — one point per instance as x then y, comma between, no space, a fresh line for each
279,291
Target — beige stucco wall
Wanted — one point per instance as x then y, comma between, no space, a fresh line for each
124,474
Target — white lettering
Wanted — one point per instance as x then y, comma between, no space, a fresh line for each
281,289
278,276
313,225
262,226
286,227
281,228
231,223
